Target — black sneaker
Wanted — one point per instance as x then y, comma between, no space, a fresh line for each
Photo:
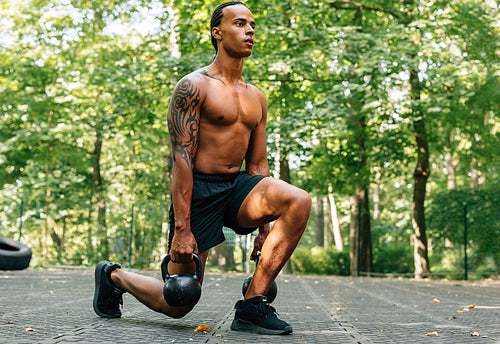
258,316
107,297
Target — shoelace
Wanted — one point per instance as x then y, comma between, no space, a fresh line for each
266,309
116,299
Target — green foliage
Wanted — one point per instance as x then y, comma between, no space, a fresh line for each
393,258
392,247
450,211
320,261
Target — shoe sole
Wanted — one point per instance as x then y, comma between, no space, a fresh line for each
98,277
246,326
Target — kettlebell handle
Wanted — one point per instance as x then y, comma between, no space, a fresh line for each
167,259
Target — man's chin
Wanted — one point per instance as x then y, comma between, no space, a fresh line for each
247,54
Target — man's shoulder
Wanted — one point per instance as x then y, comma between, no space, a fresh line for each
201,78
256,91
193,84
253,88
193,77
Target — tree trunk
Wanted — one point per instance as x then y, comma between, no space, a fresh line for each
63,241
47,206
90,243
360,233
376,197
421,175
330,241
365,260
451,166
174,35
59,241
353,234
48,157
451,171
102,232
222,256
475,175
365,248
320,222
228,255
337,236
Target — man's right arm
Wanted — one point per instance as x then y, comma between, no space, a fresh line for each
183,126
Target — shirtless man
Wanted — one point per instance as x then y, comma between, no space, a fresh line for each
216,122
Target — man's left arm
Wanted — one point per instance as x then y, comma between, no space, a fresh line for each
256,164
256,157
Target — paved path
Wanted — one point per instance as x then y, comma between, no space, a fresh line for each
41,306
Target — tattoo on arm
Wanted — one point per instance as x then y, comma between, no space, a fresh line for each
184,120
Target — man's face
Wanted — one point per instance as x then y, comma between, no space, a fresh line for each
237,29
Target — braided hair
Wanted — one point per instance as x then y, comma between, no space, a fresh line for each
217,18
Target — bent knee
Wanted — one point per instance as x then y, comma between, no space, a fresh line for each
303,201
176,312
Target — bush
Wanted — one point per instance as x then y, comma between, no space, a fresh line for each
393,259
320,261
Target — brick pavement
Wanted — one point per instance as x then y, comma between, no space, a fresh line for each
55,306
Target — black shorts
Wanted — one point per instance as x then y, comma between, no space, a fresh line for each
215,203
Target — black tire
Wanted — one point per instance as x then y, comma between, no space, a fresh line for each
13,255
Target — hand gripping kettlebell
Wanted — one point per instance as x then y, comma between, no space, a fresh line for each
273,289
182,289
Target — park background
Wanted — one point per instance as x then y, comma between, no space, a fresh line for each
386,112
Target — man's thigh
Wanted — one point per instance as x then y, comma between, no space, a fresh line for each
266,202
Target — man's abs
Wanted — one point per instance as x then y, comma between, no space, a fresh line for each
221,151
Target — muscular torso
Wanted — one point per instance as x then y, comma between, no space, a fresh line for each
229,114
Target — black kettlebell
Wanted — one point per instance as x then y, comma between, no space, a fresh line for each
273,289
181,289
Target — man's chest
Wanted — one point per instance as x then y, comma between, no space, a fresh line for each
226,106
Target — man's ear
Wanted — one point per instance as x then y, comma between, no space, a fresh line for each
216,33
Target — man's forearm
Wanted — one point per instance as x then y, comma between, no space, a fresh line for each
261,169
182,190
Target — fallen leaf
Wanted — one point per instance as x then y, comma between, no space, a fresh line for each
472,306
202,328
436,301
29,329
475,334
432,334
340,309
461,311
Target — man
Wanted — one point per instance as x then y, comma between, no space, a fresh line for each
216,122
